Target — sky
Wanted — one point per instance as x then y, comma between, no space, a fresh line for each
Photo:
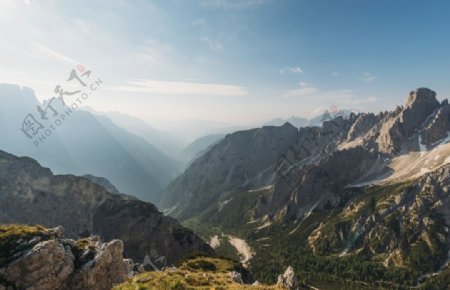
228,61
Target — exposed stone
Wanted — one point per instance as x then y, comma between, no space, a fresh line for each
236,277
438,126
45,266
256,283
397,129
288,279
107,268
54,264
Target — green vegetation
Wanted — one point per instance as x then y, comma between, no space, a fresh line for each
282,244
198,273
437,282
351,270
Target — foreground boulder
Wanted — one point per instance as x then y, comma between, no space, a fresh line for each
40,258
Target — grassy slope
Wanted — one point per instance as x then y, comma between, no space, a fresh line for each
198,273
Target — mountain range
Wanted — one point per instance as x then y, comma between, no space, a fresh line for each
361,189
359,199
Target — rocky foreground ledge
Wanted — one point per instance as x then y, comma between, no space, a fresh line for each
33,257
37,258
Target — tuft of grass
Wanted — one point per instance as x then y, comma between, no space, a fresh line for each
83,251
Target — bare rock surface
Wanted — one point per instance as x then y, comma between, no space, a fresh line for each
57,263
288,280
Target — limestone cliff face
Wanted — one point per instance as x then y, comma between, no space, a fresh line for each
30,193
43,259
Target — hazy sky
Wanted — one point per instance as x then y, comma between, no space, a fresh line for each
230,61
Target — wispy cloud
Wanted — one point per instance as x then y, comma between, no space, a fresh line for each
344,96
355,101
155,52
231,4
293,70
303,90
368,77
213,44
53,54
19,51
335,74
181,88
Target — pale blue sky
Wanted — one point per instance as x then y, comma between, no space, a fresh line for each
231,61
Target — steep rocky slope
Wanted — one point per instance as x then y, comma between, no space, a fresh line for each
361,198
30,193
232,164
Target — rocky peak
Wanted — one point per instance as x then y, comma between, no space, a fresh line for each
398,128
421,97
419,106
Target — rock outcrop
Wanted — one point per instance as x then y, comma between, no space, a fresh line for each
236,277
38,258
288,280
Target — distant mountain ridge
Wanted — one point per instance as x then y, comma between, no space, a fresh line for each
358,142
201,145
165,142
87,144
295,121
